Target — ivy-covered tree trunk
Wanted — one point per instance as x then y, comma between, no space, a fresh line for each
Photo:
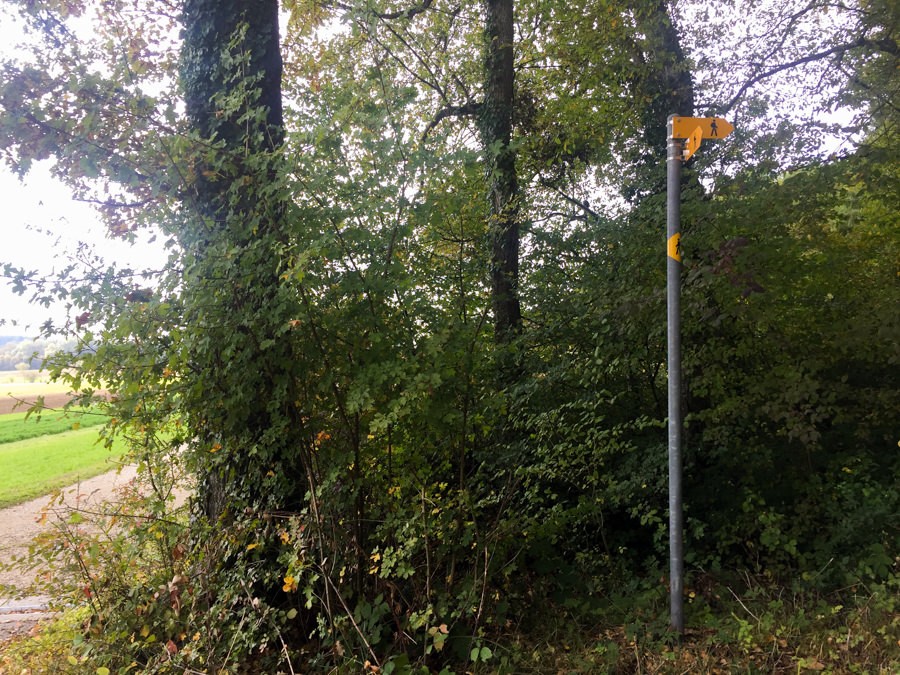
496,132
669,85
667,88
209,27
235,238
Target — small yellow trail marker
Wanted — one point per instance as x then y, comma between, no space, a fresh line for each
692,144
672,246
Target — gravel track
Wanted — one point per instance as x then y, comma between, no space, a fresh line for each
19,525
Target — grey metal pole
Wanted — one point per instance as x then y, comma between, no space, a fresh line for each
673,293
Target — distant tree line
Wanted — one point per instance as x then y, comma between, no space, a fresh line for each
16,350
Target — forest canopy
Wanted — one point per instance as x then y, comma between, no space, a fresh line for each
409,345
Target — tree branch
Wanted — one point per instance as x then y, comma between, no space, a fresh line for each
405,13
583,205
885,45
465,110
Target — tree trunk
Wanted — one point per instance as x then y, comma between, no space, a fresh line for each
231,71
668,87
209,26
496,121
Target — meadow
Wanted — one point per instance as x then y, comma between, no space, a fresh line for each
45,453
23,380
21,427
37,466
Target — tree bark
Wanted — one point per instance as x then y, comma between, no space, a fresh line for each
496,122
670,85
209,26
669,88
231,72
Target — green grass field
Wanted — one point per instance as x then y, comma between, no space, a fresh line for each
15,427
39,456
37,466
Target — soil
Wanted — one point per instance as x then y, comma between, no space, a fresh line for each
8,404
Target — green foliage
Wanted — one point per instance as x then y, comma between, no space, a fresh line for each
375,486
798,364
50,650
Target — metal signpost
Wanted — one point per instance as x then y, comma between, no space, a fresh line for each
685,135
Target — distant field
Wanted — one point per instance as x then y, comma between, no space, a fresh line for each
37,466
37,457
16,386
14,426
25,377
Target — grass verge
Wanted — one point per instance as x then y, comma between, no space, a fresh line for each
37,466
758,627
762,629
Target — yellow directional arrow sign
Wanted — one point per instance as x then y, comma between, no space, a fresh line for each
692,144
711,127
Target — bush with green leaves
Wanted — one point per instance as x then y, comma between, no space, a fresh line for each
383,479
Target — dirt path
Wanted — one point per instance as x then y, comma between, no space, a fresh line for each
18,526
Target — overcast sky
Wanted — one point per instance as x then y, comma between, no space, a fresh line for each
40,225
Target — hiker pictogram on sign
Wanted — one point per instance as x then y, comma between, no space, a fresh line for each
711,127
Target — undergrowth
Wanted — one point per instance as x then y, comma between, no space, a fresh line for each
751,625
742,625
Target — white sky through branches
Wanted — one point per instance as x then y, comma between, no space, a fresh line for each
42,226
